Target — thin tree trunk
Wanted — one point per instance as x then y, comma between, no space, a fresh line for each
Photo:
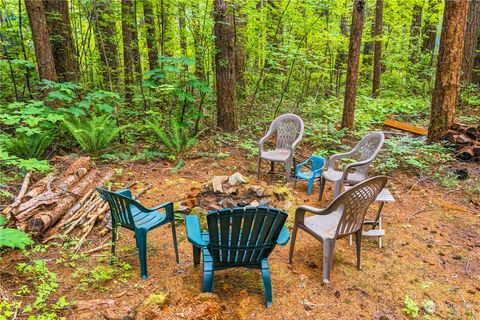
353,64
106,42
43,49
430,27
240,21
476,64
61,39
151,34
341,55
181,27
12,73
377,56
447,82
225,66
24,51
415,31
471,38
127,33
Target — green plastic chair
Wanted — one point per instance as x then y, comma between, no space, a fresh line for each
132,215
238,237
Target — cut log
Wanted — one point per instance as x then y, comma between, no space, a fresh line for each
46,219
18,199
470,153
405,127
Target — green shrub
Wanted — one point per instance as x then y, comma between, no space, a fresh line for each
94,134
411,308
176,137
12,237
27,146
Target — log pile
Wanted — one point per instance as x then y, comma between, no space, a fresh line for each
466,140
66,203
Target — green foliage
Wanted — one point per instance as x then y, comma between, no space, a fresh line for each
29,146
12,237
93,134
176,138
103,275
410,307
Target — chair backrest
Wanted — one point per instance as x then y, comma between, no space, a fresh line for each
369,147
120,207
354,203
243,236
289,128
317,162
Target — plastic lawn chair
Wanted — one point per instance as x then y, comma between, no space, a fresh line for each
238,237
316,166
130,214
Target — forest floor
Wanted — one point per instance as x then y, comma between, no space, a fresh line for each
431,253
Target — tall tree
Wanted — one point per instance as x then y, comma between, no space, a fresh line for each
240,21
447,82
106,38
151,34
127,34
471,37
415,30
225,66
61,39
476,63
43,48
377,56
181,27
353,64
429,32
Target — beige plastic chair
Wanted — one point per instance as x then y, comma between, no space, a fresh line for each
343,217
289,131
364,153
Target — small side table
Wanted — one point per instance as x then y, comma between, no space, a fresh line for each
385,196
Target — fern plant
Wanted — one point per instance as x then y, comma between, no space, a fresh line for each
27,146
93,134
176,137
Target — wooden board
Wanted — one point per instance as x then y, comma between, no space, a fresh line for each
405,127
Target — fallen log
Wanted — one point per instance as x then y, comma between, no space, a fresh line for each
18,199
46,219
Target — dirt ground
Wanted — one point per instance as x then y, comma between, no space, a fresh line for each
431,253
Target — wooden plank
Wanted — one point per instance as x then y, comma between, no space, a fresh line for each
405,127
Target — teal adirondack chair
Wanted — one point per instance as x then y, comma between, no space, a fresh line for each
238,237
316,166
132,215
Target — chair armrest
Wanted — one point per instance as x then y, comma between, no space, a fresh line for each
194,233
168,206
298,166
335,157
283,237
353,165
262,141
300,213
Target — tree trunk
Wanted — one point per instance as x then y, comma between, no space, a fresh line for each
353,64
127,33
105,32
43,48
341,55
415,31
225,66
240,21
61,40
181,27
430,26
447,82
377,57
471,38
476,63
151,34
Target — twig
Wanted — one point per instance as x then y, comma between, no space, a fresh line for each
100,247
23,190
414,185
416,213
148,187
467,269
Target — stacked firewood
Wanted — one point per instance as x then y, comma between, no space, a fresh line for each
466,140
66,203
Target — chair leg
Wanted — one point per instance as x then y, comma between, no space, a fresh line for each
267,283
288,170
310,186
141,238
328,247
175,245
196,255
358,241
337,188
294,182
258,167
292,243
272,167
207,273
322,186
114,243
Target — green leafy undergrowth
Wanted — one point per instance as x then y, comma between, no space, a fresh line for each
12,237
102,276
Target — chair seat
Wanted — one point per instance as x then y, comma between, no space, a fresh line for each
324,226
334,175
307,175
147,220
276,155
